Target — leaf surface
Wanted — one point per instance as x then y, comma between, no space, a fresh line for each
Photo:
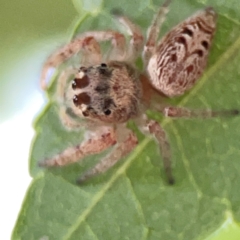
132,201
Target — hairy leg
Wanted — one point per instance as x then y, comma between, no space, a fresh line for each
180,112
91,52
88,42
153,32
136,42
62,83
121,150
160,135
93,145
64,114
153,127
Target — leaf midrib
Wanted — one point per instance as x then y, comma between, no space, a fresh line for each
99,195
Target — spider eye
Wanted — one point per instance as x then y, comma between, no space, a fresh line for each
107,112
104,70
80,81
104,65
82,98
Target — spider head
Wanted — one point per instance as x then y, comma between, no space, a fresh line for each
106,92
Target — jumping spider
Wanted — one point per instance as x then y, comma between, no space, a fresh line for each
108,91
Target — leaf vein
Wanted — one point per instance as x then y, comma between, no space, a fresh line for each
229,18
186,161
99,195
91,232
138,206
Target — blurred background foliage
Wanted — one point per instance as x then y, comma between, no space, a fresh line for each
29,31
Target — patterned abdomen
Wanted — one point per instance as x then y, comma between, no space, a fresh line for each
181,56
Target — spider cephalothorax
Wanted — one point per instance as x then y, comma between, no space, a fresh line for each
107,92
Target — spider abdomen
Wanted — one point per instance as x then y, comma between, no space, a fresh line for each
181,56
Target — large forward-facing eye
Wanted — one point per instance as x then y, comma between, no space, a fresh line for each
82,98
79,83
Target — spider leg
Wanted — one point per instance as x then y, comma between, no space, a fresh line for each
118,49
180,112
62,83
64,115
83,42
88,42
155,129
91,52
93,145
136,42
122,149
153,32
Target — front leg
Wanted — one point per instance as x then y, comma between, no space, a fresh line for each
93,145
64,112
84,42
88,42
121,150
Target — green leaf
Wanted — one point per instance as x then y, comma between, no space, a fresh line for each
132,200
